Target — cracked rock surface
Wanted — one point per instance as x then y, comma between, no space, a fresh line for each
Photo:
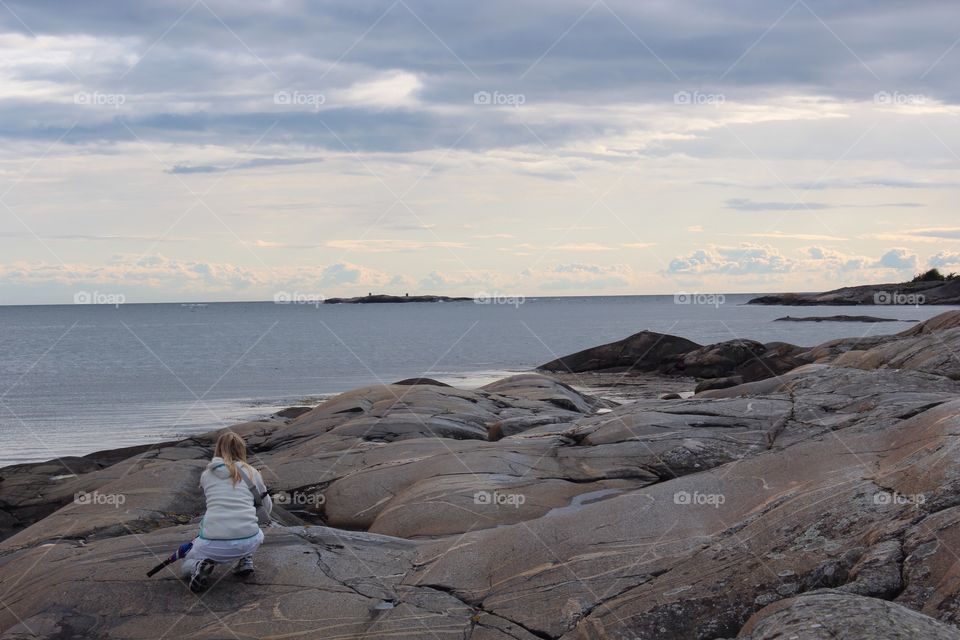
823,502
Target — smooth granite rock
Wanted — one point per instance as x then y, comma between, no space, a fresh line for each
820,502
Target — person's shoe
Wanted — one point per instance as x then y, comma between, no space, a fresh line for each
244,567
201,575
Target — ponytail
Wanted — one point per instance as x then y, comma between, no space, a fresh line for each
232,449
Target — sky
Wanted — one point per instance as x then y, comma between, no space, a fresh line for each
213,150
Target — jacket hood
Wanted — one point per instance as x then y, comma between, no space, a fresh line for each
218,468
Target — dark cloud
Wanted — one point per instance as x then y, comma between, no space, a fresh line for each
206,71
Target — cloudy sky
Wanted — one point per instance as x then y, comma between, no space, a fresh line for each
228,150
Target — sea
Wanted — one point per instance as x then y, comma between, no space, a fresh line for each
75,379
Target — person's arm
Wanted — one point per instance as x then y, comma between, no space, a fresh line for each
262,488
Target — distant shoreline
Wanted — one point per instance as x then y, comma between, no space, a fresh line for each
936,292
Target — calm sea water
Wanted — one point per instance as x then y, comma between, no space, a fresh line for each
76,379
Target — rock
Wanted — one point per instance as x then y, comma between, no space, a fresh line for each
719,383
428,381
832,615
929,352
644,351
808,498
292,412
672,396
840,319
384,298
669,355
910,293
719,360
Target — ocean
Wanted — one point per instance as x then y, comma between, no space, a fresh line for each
80,378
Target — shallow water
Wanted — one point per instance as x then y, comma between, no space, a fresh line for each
81,378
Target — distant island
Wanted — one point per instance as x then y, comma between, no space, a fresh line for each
931,287
840,319
384,298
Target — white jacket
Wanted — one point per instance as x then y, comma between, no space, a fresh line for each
230,512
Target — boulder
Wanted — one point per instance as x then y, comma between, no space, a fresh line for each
644,351
833,615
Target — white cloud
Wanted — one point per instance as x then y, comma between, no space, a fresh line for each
389,90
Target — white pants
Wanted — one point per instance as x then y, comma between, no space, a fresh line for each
219,551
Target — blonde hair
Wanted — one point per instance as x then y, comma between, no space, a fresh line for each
232,449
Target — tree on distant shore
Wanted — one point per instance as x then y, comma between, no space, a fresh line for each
934,275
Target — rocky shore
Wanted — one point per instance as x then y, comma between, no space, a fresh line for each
818,498
907,293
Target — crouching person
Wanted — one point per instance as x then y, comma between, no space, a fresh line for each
237,501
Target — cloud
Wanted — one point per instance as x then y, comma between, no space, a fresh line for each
900,259
742,260
579,276
389,90
949,233
764,260
792,236
255,163
745,204
943,259
388,245
344,273
146,277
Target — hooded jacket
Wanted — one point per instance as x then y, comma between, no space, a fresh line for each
230,512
